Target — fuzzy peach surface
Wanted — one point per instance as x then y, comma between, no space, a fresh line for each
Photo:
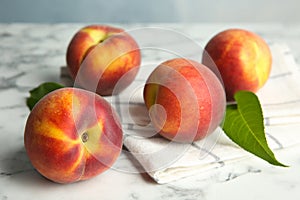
186,101
242,57
99,57
72,135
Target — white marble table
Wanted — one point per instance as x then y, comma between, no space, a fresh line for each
33,53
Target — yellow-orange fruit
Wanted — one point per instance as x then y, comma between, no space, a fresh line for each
243,58
72,134
185,99
99,56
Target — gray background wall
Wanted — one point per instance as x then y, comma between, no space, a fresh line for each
50,11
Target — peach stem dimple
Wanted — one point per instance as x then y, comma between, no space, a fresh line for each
84,137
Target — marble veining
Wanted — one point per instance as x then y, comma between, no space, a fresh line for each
33,53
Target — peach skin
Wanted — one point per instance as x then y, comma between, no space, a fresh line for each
98,56
185,99
243,58
71,135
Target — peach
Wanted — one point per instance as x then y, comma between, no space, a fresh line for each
72,134
243,58
185,99
98,56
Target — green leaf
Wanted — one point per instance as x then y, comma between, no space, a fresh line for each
244,125
39,92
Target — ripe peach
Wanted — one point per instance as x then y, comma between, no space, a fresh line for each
185,99
242,57
72,134
98,56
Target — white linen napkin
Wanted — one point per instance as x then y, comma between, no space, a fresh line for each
167,161
280,96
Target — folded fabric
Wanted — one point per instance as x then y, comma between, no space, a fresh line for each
167,161
280,96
